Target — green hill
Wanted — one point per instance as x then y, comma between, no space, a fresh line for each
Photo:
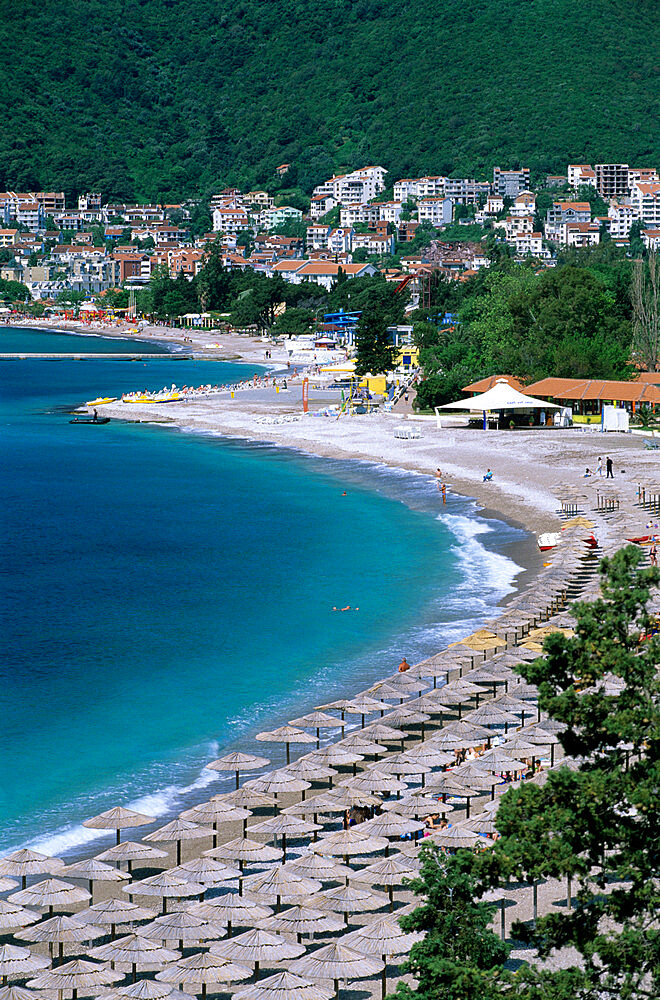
161,98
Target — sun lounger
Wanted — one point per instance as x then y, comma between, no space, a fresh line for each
651,445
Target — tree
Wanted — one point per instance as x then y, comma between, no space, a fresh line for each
214,280
460,958
375,351
294,322
14,291
597,824
646,326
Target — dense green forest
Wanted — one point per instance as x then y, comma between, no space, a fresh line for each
161,99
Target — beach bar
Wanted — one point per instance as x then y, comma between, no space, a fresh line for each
588,396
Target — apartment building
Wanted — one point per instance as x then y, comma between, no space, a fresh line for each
509,183
645,202
612,180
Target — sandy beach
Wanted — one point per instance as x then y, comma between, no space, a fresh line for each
531,470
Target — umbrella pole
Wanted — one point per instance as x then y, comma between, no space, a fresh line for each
336,987
178,852
229,927
256,971
284,846
502,919
237,786
134,972
318,738
203,991
24,882
569,894
288,753
118,835
384,978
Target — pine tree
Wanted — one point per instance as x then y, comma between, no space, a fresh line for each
375,351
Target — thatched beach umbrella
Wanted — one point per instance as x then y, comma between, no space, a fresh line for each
113,913
50,894
375,781
203,968
255,947
249,798
428,754
165,885
389,872
245,850
145,989
499,761
26,862
131,851
287,735
214,812
360,744
285,826
459,836
176,832
19,963
382,937
301,920
346,843
280,884
390,824
232,909
207,872
418,805
399,764
278,782
78,976
386,691
310,770
284,986
118,819
61,930
318,721
7,883
380,733
238,762
335,961
184,927
18,993
13,916
95,871
317,866
490,715
135,953
336,755
406,717
364,705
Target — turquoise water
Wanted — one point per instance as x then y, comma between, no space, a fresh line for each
166,595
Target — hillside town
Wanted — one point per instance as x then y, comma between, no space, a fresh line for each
359,224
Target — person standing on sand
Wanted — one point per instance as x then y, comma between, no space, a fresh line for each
608,466
599,467
438,477
653,554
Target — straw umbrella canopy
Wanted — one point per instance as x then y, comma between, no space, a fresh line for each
49,894
482,823
380,733
388,691
7,883
390,824
284,986
165,885
287,735
382,937
118,819
335,961
13,916
61,930
470,733
78,976
232,909
375,781
277,782
286,826
206,872
95,871
145,989
474,775
238,762
131,851
346,843
135,953
249,798
418,805
26,862
459,836
399,764
280,883
18,993
318,721
364,705
301,920
19,963
388,872
317,866
184,927
500,760
519,746
257,946
404,716
347,899
428,754
113,913
491,715
178,831
217,810
310,770
203,968
245,850
336,755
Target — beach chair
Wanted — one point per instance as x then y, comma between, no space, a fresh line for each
651,445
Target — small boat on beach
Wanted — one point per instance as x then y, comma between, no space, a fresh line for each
90,420
642,539
549,539
101,400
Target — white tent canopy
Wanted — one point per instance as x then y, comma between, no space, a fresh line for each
502,396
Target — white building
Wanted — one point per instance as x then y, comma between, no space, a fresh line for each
621,216
437,211
581,175
645,201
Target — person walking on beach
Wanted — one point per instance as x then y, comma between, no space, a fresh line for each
608,466
653,554
444,492
599,467
438,477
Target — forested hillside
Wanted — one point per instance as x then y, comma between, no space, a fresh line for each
164,98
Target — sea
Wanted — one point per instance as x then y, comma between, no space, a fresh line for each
167,595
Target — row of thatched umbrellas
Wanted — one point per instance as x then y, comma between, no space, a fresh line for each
480,664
